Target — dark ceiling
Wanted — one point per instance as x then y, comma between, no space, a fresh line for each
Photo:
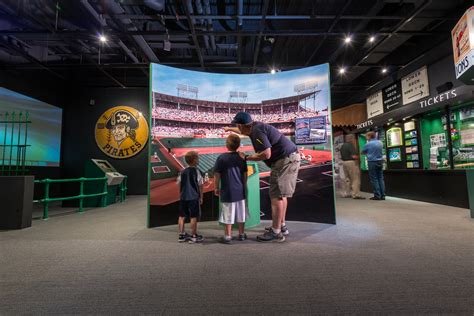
61,37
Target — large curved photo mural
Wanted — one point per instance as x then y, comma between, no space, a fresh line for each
191,110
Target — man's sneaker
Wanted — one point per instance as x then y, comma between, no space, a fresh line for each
224,240
184,237
284,230
243,237
195,238
271,236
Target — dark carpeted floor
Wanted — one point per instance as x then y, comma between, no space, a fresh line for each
396,256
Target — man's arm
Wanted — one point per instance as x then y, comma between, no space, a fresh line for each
217,181
364,150
232,129
264,155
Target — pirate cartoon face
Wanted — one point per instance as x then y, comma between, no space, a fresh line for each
122,124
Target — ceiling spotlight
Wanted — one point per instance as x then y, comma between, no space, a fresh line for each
384,70
342,70
273,71
102,38
372,39
348,39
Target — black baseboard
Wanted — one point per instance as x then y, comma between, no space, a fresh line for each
446,187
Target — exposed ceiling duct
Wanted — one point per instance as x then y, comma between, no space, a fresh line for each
157,5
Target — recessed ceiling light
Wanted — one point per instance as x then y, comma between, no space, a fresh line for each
372,39
384,70
102,38
348,39
342,70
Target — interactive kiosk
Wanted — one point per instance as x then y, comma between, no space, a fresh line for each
97,168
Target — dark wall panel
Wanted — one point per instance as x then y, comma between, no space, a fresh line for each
441,187
78,133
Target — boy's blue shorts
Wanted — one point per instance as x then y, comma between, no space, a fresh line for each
190,209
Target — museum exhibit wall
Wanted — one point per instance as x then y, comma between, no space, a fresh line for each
85,107
189,112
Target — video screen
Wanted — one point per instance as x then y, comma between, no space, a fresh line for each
310,130
395,155
43,135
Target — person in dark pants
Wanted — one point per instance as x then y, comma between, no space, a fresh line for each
373,150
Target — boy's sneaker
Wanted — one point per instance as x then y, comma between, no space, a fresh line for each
284,230
224,240
195,238
243,237
271,236
184,237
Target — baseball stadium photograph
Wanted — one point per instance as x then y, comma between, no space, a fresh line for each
194,111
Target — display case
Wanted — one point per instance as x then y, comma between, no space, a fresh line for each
434,139
462,136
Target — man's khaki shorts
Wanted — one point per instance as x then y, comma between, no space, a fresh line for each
283,176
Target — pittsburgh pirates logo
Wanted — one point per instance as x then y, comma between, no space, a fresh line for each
121,132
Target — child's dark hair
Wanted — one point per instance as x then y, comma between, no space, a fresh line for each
233,142
191,157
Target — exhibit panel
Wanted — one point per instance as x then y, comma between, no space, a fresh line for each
190,110
425,139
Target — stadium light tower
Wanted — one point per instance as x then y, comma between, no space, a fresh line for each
186,91
304,88
237,97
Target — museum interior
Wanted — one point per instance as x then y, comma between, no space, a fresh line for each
236,157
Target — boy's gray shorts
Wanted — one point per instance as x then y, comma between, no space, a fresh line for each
283,176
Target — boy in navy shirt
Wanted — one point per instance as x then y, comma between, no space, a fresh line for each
191,192
230,172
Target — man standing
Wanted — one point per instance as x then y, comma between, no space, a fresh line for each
351,169
373,150
282,156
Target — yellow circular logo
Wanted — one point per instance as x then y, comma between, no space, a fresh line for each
121,132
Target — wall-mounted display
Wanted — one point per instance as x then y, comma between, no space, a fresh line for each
438,140
394,137
394,154
463,46
310,130
409,126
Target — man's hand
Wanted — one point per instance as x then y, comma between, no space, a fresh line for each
227,129
242,155
217,192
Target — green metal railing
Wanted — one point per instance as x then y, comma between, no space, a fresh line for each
47,182
13,142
